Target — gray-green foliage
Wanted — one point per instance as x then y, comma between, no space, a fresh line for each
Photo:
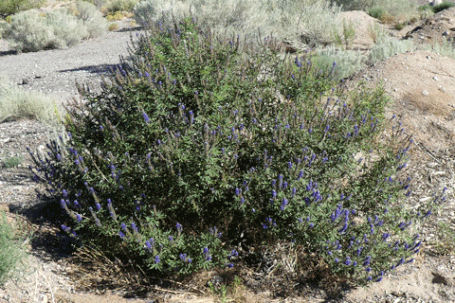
13,161
34,31
10,252
121,5
289,19
347,62
391,6
389,46
445,48
92,19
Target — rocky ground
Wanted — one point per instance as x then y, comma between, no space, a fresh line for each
421,83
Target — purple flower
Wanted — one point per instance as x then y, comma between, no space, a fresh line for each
123,226
122,235
147,243
157,259
133,226
79,218
146,118
179,227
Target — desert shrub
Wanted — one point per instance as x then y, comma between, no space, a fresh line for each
29,32
314,19
98,3
11,254
341,63
443,48
394,7
16,103
377,12
92,19
200,142
120,5
33,31
345,37
113,27
10,7
387,46
442,6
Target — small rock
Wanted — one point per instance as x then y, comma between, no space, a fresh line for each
435,2
425,93
442,89
435,78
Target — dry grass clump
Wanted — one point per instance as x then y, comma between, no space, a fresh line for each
16,103
11,254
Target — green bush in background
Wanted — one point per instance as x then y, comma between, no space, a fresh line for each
10,7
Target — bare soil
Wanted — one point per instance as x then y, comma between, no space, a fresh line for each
421,85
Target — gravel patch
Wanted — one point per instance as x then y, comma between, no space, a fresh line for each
55,72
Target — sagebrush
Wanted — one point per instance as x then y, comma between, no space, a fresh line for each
34,31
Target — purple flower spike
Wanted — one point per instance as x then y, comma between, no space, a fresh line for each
146,118
179,227
133,226
147,243
157,259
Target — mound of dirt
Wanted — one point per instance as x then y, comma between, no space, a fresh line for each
422,87
434,29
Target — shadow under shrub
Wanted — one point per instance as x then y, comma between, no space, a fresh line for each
201,142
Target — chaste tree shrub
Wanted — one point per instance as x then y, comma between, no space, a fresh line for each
199,142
